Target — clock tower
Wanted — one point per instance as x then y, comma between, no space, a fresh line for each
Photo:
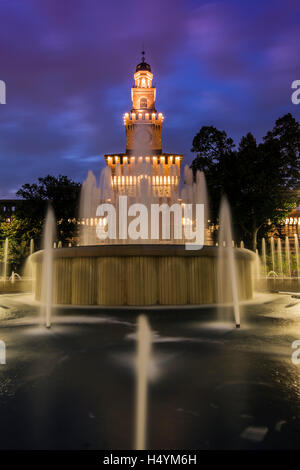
143,125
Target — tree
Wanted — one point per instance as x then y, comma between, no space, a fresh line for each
62,193
28,219
286,137
258,179
211,145
19,233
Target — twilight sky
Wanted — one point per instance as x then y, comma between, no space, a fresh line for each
68,67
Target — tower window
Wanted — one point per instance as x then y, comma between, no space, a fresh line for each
143,83
143,103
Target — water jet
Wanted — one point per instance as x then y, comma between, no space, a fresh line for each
46,274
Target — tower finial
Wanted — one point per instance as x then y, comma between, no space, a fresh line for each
143,64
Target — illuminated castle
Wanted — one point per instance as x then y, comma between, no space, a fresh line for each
143,127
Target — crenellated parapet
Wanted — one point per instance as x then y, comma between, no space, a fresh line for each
140,117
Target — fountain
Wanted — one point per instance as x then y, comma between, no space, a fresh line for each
285,276
145,191
145,271
264,256
144,339
2,352
279,257
272,253
287,257
202,198
27,272
5,259
297,253
257,266
227,268
31,247
14,276
163,267
140,274
46,294
89,200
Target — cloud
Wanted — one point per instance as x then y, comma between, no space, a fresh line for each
69,65
254,48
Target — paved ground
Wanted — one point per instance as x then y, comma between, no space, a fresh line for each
210,386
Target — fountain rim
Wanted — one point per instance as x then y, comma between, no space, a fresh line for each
127,250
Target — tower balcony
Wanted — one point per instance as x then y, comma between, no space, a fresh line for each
154,118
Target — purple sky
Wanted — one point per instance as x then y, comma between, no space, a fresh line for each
68,67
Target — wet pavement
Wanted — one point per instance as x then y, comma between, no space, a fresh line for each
211,386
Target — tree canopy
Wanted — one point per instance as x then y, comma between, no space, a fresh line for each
27,222
259,179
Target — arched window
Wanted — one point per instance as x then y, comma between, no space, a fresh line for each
143,103
143,83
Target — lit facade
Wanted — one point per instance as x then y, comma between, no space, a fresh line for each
143,126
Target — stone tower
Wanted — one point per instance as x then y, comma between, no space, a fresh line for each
143,126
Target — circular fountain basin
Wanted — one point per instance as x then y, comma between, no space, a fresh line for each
118,275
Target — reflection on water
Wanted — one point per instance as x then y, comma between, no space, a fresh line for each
142,368
212,386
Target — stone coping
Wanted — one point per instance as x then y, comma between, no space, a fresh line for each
138,250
